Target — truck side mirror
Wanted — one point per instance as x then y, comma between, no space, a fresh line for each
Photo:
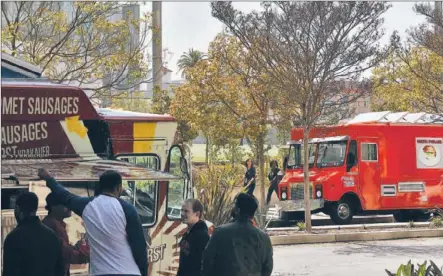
285,162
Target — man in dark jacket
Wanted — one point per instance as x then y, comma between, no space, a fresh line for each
31,249
57,212
238,248
194,241
274,176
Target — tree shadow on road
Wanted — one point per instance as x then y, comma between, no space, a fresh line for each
377,249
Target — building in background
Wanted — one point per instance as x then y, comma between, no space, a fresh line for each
166,83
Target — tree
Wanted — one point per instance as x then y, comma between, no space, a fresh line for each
82,47
409,81
224,101
305,49
189,60
186,62
429,34
132,101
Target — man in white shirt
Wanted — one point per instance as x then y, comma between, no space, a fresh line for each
115,234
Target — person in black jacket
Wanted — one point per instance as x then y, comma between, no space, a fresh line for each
194,241
274,176
31,249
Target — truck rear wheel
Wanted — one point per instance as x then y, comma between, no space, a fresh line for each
341,212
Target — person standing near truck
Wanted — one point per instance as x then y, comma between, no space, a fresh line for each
274,176
194,241
238,248
31,249
249,179
57,212
114,230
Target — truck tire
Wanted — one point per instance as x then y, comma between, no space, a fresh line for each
341,212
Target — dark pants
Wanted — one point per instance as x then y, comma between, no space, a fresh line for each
272,188
250,190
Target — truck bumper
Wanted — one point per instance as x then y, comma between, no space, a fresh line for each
299,205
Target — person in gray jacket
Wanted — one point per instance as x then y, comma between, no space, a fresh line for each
238,248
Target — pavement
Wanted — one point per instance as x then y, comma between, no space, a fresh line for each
354,258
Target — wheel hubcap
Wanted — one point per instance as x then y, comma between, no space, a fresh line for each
343,211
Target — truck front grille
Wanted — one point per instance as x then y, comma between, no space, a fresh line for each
298,192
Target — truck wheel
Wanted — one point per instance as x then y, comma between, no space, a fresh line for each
341,212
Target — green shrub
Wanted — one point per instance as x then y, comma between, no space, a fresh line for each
436,222
301,226
421,270
437,219
215,189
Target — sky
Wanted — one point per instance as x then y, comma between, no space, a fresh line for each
190,25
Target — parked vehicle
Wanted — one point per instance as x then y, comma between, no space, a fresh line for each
379,162
57,127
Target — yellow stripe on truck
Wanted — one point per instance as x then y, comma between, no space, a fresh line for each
143,130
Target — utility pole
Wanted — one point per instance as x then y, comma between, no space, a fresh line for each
157,44
438,10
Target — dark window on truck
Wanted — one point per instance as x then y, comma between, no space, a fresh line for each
352,157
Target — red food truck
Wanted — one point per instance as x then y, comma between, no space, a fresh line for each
57,127
379,162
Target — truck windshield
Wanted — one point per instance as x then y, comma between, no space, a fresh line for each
295,159
331,154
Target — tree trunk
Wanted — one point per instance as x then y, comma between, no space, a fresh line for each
261,164
207,152
307,196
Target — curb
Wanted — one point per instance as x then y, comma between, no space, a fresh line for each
326,221
358,236
355,226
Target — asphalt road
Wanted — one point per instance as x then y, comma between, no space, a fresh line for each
354,258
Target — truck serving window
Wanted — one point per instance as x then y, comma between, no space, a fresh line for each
331,154
295,159
142,194
369,152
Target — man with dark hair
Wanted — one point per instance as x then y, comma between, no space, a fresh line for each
57,212
31,249
114,230
238,248
275,176
194,241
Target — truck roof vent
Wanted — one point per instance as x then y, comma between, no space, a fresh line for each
397,117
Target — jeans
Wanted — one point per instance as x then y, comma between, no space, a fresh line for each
250,190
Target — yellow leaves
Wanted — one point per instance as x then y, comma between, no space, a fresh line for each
82,50
220,100
132,101
409,83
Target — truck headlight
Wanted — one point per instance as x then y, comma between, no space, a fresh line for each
284,195
318,191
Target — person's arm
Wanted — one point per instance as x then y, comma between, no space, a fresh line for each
197,247
136,237
71,254
210,255
73,202
268,263
11,257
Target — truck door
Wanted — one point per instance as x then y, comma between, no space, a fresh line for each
369,172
